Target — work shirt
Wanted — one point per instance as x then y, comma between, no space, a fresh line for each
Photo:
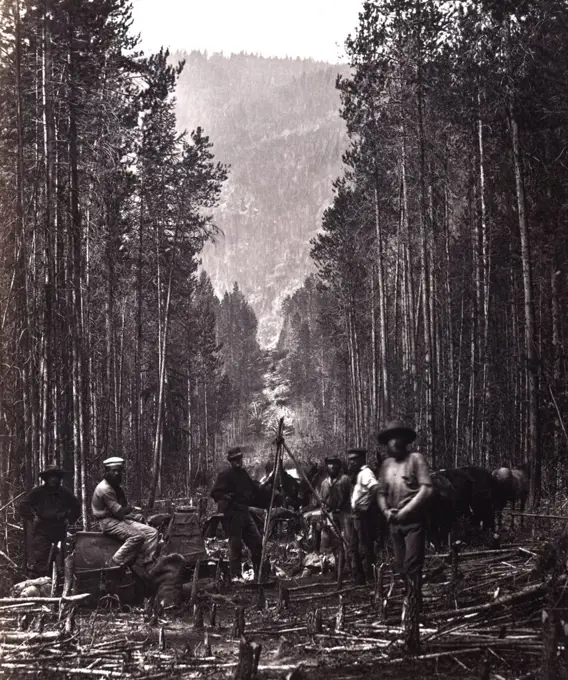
237,483
335,493
51,505
107,501
364,489
401,480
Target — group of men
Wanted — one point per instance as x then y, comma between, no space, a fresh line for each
51,507
351,503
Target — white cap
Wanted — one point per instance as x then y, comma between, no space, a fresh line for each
113,461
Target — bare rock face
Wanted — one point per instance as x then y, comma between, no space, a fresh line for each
168,576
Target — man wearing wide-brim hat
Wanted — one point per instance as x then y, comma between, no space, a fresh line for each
121,521
235,492
404,489
51,506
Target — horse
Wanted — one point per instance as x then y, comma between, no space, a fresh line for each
512,485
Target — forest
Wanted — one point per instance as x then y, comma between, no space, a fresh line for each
112,341
440,294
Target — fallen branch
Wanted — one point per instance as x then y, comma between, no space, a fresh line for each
44,600
536,589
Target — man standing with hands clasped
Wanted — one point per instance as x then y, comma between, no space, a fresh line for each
404,489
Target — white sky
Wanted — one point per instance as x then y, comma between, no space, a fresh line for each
294,28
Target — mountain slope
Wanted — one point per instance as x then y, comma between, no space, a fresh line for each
276,122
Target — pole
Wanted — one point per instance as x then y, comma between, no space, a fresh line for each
276,472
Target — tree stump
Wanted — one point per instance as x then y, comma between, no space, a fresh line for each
207,644
239,623
261,599
340,616
197,617
249,657
340,565
454,578
218,575
162,638
484,668
379,594
296,674
213,616
69,574
314,621
283,598
549,670
54,576
193,595
411,616
70,621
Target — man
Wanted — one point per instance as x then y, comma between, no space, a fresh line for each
234,492
363,508
51,507
118,519
335,493
404,489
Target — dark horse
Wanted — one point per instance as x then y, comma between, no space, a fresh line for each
512,485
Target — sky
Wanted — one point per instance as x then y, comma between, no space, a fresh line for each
273,28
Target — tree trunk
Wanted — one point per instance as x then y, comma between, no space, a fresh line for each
531,370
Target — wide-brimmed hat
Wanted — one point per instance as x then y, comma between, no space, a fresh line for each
114,461
235,452
396,429
356,452
52,470
332,459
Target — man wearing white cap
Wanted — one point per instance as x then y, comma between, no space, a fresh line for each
118,519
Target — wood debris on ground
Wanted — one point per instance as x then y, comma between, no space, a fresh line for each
481,618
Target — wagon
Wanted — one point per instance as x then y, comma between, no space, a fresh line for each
181,534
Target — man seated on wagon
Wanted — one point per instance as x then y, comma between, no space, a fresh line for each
118,519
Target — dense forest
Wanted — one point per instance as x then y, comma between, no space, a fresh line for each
441,287
276,123
111,340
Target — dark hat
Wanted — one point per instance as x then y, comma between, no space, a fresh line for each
332,459
396,429
235,452
356,453
52,470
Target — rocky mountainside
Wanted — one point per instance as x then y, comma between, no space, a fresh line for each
276,122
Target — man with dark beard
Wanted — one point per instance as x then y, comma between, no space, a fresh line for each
118,519
404,489
235,492
51,507
335,493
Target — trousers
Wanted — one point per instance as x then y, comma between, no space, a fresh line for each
409,546
240,528
44,534
139,541
362,546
